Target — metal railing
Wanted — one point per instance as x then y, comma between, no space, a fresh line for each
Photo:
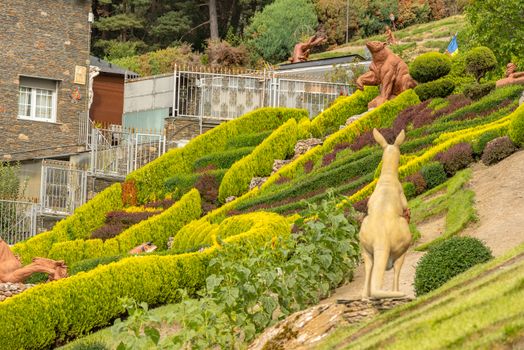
63,187
17,220
115,152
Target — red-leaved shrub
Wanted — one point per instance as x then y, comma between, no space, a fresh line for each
308,166
361,206
329,158
366,139
418,180
456,158
207,185
497,149
282,180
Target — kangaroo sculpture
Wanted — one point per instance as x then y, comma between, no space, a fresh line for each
384,234
11,269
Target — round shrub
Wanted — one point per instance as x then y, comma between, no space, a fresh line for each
516,129
456,158
430,66
410,190
438,88
418,180
434,174
497,149
448,259
477,91
479,61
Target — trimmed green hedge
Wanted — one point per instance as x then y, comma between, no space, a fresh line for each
183,183
224,159
150,178
434,89
156,229
71,307
248,140
85,220
344,107
279,145
516,127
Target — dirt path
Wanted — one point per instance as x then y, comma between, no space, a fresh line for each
499,201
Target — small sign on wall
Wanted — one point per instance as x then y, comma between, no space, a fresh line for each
80,75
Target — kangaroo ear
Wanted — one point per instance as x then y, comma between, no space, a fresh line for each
379,138
400,138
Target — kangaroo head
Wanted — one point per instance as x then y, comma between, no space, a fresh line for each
391,156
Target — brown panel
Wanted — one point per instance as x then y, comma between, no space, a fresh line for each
108,100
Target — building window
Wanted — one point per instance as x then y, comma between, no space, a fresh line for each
37,99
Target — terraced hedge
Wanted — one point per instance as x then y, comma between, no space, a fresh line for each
156,229
150,178
344,107
85,220
74,306
278,145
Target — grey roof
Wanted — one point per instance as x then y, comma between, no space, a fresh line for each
108,67
323,62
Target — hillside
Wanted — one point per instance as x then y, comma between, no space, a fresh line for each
412,41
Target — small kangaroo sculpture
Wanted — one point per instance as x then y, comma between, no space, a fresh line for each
384,234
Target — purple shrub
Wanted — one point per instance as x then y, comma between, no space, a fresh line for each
161,204
366,139
456,158
207,185
418,180
308,166
406,117
497,149
361,206
341,146
108,231
282,180
329,158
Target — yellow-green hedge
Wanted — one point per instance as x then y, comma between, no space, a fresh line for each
516,127
200,232
84,220
71,307
278,145
344,107
150,178
156,229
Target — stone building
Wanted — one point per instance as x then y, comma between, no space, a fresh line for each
43,81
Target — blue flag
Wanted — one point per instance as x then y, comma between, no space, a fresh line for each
453,46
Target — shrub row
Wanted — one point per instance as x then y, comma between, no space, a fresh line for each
248,140
157,229
222,160
71,307
85,220
149,178
278,145
344,107
202,233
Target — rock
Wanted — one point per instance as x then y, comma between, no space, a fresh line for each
10,289
170,242
302,146
354,118
278,164
230,199
257,182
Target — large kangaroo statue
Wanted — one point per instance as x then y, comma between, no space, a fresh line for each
11,269
384,234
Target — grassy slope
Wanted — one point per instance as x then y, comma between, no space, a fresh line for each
482,308
413,40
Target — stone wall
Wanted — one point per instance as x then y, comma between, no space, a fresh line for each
181,128
42,39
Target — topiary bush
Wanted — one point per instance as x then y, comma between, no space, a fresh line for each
409,189
430,66
457,157
418,180
516,127
497,149
477,91
479,61
448,259
434,174
438,88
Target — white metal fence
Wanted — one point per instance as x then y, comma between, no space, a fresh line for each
63,187
115,152
17,220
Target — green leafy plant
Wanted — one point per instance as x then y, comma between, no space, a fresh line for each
437,88
434,174
448,259
516,128
477,91
479,61
430,66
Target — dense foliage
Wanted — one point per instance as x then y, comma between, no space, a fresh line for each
448,259
430,66
477,91
479,61
437,88
497,149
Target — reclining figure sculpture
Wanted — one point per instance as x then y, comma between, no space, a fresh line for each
301,50
386,70
384,234
11,269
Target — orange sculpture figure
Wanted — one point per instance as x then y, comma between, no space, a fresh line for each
387,70
301,50
512,77
384,234
11,269
390,37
